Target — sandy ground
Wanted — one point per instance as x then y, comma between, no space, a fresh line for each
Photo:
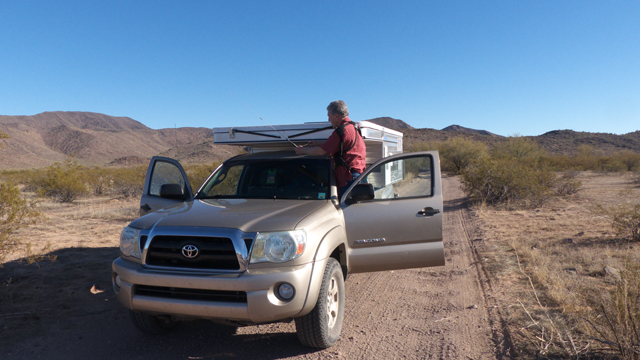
48,311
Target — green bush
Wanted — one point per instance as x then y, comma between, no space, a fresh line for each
99,181
62,182
128,182
518,148
496,181
15,213
197,174
459,153
630,159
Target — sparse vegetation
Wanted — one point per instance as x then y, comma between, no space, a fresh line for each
567,184
577,294
15,213
625,220
62,182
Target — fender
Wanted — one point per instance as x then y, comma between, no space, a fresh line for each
334,239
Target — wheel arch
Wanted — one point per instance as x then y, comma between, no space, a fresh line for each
333,245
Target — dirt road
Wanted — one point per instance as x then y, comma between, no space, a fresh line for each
432,313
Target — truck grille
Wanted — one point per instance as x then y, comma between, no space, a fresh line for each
191,294
214,253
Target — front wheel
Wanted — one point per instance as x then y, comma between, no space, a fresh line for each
322,326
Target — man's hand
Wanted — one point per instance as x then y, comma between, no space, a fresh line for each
314,151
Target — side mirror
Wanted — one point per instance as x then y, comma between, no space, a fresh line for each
361,192
172,191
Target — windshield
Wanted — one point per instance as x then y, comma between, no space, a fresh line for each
268,179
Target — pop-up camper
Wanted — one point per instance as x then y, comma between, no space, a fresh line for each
380,141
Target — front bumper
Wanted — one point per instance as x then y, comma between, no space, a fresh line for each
262,305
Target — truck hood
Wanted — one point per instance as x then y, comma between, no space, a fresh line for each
248,215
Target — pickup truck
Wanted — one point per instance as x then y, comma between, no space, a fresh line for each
267,238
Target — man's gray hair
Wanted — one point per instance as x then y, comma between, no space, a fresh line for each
338,107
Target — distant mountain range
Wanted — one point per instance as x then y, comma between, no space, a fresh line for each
97,139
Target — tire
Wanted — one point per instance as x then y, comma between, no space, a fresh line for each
153,324
322,326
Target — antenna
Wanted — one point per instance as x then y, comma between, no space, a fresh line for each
283,135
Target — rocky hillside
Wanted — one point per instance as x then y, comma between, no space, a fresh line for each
97,139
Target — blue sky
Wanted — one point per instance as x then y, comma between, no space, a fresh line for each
509,67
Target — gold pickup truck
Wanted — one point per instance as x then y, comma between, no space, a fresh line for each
266,238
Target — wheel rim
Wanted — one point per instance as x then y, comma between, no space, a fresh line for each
333,302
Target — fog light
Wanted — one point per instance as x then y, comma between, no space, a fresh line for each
286,291
118,281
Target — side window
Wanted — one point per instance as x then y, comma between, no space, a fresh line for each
403,178
164,173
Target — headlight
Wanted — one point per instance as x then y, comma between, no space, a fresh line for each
279,246
129,245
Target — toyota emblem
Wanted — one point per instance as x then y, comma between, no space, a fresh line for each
190,251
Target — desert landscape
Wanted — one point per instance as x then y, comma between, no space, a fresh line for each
550,280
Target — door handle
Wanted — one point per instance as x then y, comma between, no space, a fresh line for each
428,211
145,207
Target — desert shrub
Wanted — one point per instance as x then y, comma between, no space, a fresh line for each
610,164
625,220
15,213
197,174
128,182
508,181
518,148
456,154
99,180
614,317
427,146
567,184
62,182
585,158
630,159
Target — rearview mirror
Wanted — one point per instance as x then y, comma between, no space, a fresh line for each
360,192
172,191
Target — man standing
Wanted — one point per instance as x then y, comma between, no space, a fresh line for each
345,145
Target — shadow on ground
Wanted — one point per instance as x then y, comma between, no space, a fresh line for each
49,311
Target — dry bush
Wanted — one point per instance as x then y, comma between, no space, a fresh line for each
614,318
62,182
625,220
15,213
567,184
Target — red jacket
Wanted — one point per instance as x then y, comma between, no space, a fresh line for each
355,157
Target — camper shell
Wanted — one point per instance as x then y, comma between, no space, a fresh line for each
380,142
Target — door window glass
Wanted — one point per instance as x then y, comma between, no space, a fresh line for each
164,173
402,178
